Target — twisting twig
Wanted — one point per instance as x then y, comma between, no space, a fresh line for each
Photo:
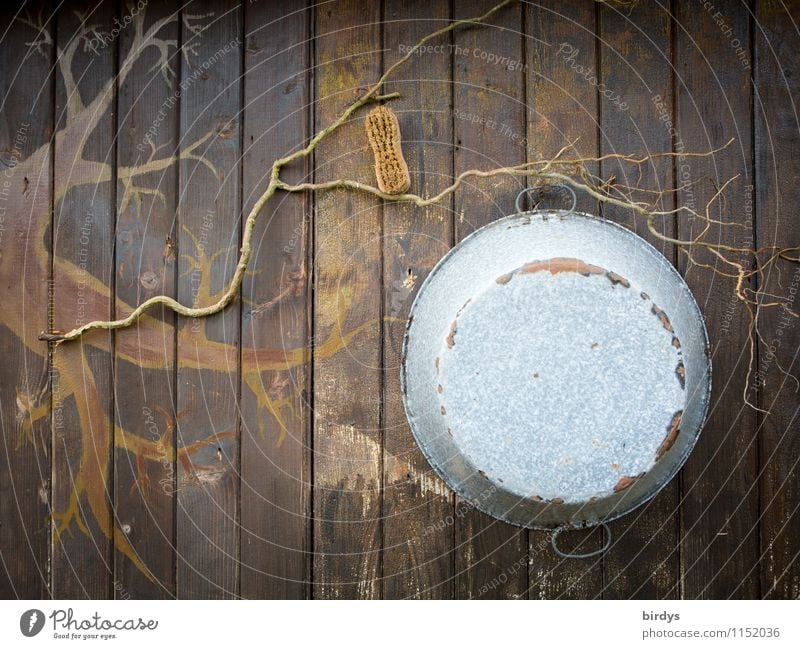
369,96
739,263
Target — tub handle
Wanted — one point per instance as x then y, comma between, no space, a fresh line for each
585,555
546,189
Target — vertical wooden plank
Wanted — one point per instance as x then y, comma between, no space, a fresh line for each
347,316
562,108
418,507
144,392
275,415
491,556
713,99
83,243
26,124
208,241
636,109
777,169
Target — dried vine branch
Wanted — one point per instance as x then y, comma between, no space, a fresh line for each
371,95
740,263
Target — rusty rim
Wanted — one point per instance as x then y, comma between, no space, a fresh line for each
632,490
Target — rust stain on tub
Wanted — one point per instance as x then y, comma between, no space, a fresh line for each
623,483
673,430
558,265
626,481
451,338
659,313
680,371
618,279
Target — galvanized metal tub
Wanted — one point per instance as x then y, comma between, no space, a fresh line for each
555,370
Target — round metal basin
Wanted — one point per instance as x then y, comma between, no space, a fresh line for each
556,370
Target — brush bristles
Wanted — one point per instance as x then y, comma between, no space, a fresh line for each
383,131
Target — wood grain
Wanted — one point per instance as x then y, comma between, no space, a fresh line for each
83,236
636,68
280,421
26,125
208,243
491,556
275,408
146,259
776,132
562,108
720,498
418,506
348,445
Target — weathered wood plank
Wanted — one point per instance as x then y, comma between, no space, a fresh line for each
720,499
636,68
144,392
777,74
418,507
347,316
491,556
562,108
275,413
363,290
26,124
208,244
83,242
